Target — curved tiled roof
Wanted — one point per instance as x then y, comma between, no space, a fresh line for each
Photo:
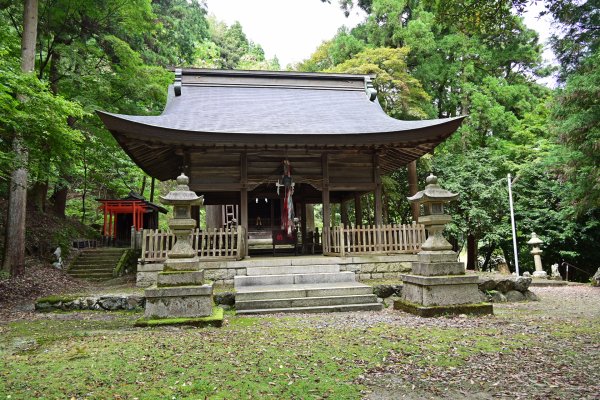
264,108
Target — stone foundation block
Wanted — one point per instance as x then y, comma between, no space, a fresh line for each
436,256
145,279
368,268
440,291
436,311
440,268
185,264
204,290
191,301
180,278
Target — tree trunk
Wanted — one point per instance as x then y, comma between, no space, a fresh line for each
59,200
488,256
14,254
84,194
471,252
143,188
413,187
37,195
152,190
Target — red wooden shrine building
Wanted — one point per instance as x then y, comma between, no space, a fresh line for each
121,215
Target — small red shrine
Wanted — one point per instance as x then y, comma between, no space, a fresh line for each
131,211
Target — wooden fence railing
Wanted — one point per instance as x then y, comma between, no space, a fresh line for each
211,244
383,239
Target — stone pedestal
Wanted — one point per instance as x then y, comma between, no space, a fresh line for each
438,285
180,291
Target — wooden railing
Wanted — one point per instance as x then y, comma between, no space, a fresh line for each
211,244
383,239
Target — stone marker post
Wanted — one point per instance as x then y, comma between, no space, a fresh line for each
180,290
535,243
438,284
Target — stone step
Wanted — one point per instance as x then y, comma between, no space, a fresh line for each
304,302
291,279
318,309
93,276
89,260
100,256
297,291
293,269
94,265
89,270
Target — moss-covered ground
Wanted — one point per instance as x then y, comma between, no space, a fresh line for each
390,354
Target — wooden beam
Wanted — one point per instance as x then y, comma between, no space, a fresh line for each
216,187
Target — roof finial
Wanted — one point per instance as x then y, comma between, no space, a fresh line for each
369,89
177,84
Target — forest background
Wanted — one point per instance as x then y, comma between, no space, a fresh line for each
433,59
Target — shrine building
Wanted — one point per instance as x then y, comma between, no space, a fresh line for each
264,147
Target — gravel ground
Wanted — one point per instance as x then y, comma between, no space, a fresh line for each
553,347
561,360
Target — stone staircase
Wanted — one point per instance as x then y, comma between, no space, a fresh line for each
96,264
310,288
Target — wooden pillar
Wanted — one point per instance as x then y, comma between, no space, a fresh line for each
244,192
196,215
413,188
325,192
358,214
344,213
110,222
378,206
378,191
214,216
310,217
104,226
272,203
303,223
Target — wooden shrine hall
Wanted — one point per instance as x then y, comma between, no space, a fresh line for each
270,144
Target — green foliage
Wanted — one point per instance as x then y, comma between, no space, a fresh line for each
399,93
576,123
578,35
478,59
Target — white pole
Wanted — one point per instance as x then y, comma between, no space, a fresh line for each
514,229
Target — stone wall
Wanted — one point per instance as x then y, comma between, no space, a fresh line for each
509,289
104,302
222,272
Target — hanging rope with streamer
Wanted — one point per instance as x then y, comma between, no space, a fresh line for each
287,212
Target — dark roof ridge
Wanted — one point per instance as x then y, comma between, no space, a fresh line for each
270,74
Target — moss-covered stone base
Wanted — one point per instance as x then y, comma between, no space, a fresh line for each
215,319
436,311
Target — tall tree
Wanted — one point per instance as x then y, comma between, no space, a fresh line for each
14,249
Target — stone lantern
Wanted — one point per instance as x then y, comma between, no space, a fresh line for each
180,295
535,243
438,283
182,199
432,202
